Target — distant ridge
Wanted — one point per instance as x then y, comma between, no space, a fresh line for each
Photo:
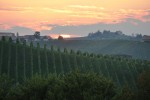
113,35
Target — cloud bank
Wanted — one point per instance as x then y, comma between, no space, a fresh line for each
74,17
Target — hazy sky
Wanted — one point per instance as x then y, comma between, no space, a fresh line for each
74,17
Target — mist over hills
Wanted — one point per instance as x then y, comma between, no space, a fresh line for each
137,49
106,42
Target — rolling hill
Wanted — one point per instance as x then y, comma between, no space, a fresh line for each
136,49
20,61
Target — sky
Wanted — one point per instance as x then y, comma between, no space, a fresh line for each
74,17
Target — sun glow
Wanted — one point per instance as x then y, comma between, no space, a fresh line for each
65,35
55,36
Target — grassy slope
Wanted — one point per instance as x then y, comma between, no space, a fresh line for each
139,50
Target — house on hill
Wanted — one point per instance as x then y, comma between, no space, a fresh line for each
29,38
7,35
146,38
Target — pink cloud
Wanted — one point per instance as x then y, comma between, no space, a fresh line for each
36,25
7,8
5,26
70,15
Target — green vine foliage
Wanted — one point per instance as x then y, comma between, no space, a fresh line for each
20,62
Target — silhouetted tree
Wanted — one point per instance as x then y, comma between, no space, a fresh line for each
37,35
10,39
3,38
60,38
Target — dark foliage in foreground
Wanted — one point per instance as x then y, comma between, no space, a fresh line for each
72,86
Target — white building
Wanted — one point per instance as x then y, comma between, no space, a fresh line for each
7,35
146,38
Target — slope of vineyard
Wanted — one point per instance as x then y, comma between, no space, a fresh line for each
20,61
137,49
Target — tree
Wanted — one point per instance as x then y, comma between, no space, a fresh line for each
144,86
46,58
65,50
37,35
24,61
125,94
4,55
79,52
17,34
9,56
87,86
17,41
52,48
16,66
39,58
3,38
10,40
32,89
139,36
60,38
5,86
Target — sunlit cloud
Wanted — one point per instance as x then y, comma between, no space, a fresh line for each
9,9
16,8
58,10
88,8
39,15
77,17
83,7
36,26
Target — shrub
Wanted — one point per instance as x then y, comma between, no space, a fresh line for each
87,86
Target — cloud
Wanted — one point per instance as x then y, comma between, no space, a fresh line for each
50,18
82,7
20,30
135,14
81,13
128,27
37,26
86,7
58,10
16,8
10,9
82,30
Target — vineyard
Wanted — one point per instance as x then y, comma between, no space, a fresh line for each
20,61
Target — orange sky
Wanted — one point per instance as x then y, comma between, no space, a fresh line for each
38,14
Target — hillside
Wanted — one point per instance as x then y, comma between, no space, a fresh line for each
137,49
20,61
